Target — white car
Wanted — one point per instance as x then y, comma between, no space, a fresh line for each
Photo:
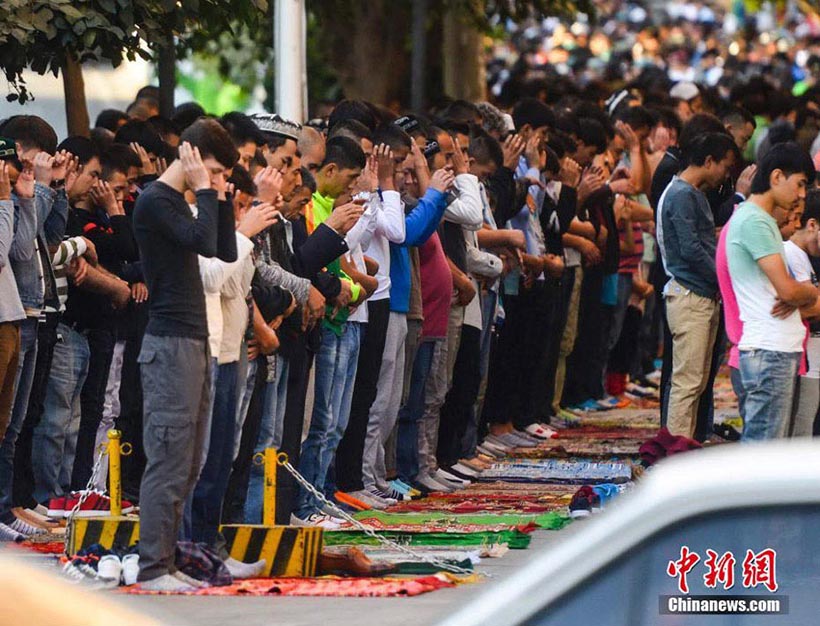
755,506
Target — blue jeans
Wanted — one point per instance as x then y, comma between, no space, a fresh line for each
247,381
407,444
333,390
768,379
213,481
54,443
187,529
270,436
740,391
22,384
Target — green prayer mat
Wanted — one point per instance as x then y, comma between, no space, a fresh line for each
546,521
515,539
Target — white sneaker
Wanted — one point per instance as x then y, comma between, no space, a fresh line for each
460,467
382,496
130,569
539,432
370,500
7,533
110,567
24,528
450,479
316,520
432,484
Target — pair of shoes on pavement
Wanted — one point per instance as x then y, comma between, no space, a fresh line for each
317,520
95,503
432,485
447,477
584,503
107,572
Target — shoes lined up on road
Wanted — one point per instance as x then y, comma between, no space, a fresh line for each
102,568
96,503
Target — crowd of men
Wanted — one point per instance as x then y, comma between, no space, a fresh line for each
455,282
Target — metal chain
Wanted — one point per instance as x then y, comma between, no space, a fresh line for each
371,532
103,451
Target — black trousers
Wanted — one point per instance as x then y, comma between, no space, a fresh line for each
92,398
459,404
521,345
585,364
23,486
557,302
129,421
351,447
287,488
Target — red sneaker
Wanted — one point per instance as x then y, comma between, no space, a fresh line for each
94,504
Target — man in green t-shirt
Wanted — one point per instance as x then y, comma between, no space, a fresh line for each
769,299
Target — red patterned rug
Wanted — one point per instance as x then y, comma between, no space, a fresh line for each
324,586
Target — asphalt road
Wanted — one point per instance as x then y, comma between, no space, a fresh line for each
429,608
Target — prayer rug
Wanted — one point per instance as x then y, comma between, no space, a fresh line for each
383,520
558,471
515,539
332,586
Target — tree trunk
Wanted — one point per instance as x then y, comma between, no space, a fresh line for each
419,59
370,35
76,109
166,68
463,52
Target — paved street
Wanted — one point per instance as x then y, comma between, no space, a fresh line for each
428,608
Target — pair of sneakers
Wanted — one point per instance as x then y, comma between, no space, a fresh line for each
123,570
110,571
317,520
584,503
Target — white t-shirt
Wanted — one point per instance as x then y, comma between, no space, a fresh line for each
753,234
802,271
799,263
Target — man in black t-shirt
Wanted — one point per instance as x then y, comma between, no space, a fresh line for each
175,356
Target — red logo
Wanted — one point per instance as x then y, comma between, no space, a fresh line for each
682,567
758,569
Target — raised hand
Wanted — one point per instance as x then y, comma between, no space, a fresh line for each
532,150
196,174
59,167
43,168
103,196
24,187
630,138
460,165
268,184
147,168
744,181
570,173
257,218
5,183
368,180
442,180
513,148
386,166
344,217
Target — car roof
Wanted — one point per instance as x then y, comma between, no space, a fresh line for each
722,477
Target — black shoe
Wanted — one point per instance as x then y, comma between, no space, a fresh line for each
419,487
449,469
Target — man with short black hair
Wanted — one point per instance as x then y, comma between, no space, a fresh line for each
768,296
686,238
176,339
